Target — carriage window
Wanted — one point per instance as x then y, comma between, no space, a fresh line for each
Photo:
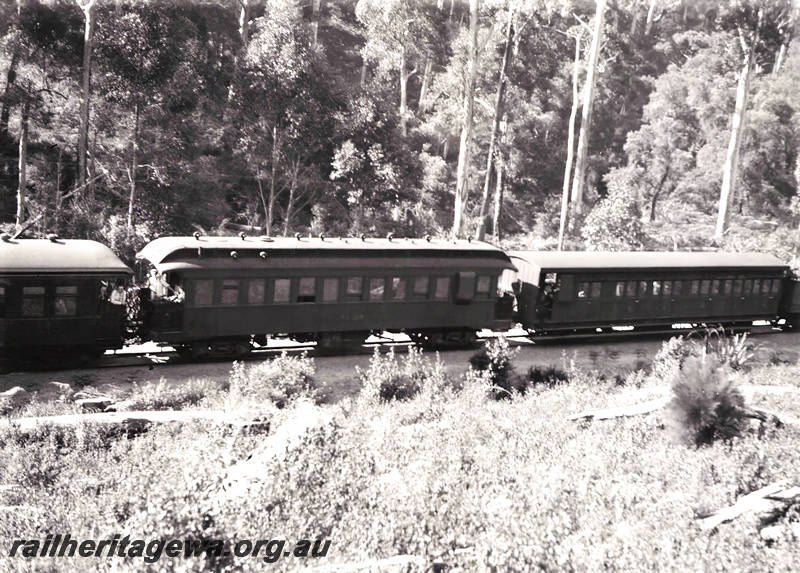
282,289
32,302
715,286
748,287
255,291
442,288
643,288
230,292
398,286
376,288
330,290
756,286
765,284
354,288
737,287
597,289
583,290
705,286
620,289
306,291
2,301
421,287
203,292
656,288
676,288
631,290
776,286
727,287
667,288
695,287
483,287
66,301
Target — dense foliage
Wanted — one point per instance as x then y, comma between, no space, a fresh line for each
445,478
344,116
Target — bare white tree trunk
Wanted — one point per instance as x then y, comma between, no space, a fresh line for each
23,164
134,166
83,134
586,117
731,173
315,8
465,148
483,218
570,142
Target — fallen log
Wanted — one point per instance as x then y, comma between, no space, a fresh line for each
134,418
755,501
634,410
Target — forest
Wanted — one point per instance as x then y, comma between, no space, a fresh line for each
537,124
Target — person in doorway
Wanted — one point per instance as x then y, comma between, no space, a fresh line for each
118,295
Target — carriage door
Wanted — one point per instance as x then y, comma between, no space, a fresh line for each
465,289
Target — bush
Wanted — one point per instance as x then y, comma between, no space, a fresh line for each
389,380
163,396
706,404
278,380
493,360
550,376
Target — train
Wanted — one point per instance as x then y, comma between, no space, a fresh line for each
210,296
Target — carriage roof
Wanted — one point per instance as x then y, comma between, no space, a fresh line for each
575,261
63,256
202,252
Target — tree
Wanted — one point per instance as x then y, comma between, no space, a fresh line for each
758,27
83,135
400,36
588,103
465,146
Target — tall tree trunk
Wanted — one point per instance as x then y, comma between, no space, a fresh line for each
465,148
426,78
292,192
403,89
570,142
59,196
484,217
83,134
315,9
499,185
270,214
651,14
588,102
731,173
244,23
134,167
23,163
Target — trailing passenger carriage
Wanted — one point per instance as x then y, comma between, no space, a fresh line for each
217,295
57,299
569,291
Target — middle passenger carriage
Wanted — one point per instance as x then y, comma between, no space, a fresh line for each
215,295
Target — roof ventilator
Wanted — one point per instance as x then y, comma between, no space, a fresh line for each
263,254
53,238
234,255
390,236
196,235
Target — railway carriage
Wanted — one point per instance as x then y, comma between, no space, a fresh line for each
55,299
567,291
232,291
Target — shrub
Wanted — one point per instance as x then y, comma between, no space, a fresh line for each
493,360
731,349
389,380
550,376
163,396
279,380
706,404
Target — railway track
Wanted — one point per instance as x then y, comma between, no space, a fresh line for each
133,356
